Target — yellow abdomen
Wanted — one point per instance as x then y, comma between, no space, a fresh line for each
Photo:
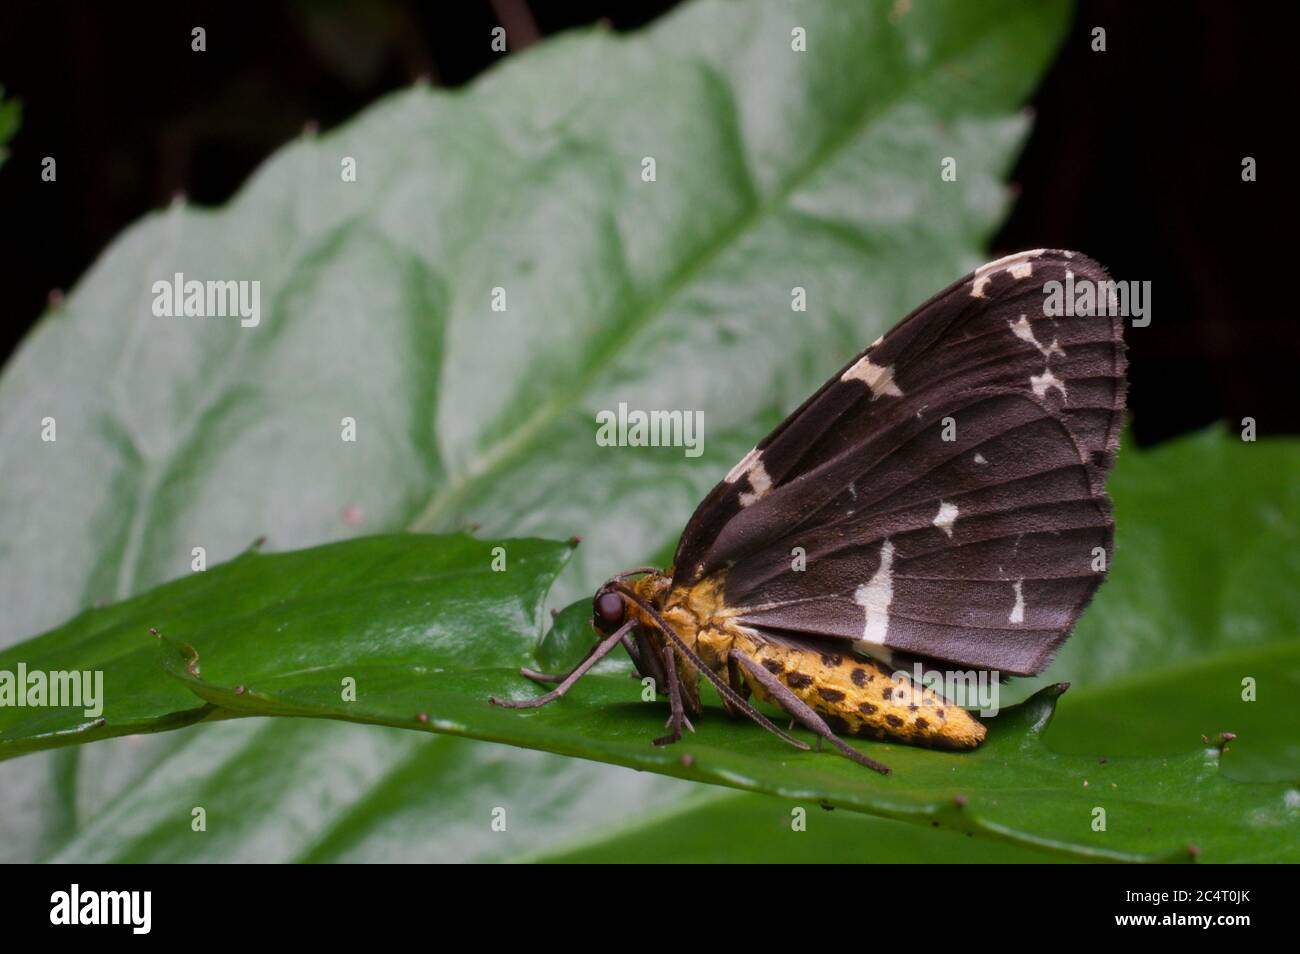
861,697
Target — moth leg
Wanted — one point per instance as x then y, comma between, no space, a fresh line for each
649,661
601,650
630,645
536,676
802,712
737,682
719,683
635,652
678,717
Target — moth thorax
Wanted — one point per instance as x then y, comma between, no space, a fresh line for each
653,588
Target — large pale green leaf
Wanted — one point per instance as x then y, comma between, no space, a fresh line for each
775,169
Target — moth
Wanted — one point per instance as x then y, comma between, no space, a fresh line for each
939,500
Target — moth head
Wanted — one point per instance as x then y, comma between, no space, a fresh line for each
608,610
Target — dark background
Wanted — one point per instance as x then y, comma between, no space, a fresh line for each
1135,157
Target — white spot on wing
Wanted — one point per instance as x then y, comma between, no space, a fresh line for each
1042,383
759,481
946,517
1017,265
879,380
875,595
979,459
743,466
1022,330
1018,611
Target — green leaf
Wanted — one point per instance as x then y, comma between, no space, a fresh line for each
369,794
416,609
1174,707
1014,787
1207,543
749,829
426,631
775,169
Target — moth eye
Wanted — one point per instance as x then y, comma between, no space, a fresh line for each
609,611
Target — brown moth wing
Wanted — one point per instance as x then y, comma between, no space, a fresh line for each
945,489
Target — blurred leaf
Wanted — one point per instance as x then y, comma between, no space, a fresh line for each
1172,709
10,118
1206,552
775,169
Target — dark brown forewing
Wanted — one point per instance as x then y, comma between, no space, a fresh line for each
992,537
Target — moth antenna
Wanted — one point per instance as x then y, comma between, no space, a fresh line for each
635,572
537,676
723,689
547,677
